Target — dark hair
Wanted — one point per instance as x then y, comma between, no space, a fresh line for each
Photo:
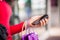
3,32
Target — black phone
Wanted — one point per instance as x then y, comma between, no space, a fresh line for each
38,21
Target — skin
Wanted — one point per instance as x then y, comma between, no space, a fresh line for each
31,20
34,18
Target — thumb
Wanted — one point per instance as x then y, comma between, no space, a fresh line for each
33,19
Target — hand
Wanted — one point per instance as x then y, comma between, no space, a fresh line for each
34,18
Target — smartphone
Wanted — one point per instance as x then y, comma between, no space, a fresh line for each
38,21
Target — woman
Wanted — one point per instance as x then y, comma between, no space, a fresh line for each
5,14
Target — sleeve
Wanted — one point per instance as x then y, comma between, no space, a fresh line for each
16,28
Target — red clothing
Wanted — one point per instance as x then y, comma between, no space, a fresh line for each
5,14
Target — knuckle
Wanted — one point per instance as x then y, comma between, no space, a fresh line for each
41,23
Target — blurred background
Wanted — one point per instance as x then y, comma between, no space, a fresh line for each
24,9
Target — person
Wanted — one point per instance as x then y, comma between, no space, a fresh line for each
5,14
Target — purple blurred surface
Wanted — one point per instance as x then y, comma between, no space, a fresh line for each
31,36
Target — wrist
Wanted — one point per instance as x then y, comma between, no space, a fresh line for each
25,25
28,23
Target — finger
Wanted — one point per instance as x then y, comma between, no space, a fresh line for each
46,20
43,21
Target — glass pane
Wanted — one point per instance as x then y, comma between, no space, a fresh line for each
29,8
38,7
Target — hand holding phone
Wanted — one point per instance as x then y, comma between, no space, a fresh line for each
38,21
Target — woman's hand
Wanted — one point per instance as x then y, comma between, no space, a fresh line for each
34,18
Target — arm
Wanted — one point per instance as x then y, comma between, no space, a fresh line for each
16,28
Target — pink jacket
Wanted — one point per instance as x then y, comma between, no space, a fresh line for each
5,14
